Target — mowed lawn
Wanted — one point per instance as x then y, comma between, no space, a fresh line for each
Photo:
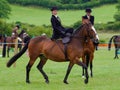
40,16
106,72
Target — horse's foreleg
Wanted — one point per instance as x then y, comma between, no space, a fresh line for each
40,68
83,73
85,61
91,66
68,72
85,67
8,49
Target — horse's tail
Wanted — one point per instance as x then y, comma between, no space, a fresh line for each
110,41
4,47
15,57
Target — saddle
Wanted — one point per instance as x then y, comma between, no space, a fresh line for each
67,38
65,41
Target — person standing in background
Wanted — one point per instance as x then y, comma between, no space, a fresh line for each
58,30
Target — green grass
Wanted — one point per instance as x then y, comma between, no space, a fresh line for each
40,16
105,70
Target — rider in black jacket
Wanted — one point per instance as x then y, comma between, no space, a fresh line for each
58,30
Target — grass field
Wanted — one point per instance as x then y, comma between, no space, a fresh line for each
106,74
40,16
105,68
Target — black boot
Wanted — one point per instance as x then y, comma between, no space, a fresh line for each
96,43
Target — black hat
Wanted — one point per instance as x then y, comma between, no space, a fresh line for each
54,8
88,10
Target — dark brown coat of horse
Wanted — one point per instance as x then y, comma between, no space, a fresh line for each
45,49
116,40
1,39
89,48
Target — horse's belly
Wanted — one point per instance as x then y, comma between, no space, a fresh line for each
55,57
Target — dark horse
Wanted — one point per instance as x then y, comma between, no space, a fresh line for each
9,42
89,49
116,40
1,39
44,48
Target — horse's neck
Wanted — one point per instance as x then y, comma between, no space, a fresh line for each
79,34
79,41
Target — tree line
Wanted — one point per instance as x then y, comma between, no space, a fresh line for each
37,30
63,4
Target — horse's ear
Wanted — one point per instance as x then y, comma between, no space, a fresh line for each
84,20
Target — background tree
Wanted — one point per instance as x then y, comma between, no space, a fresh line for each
4,9
117,15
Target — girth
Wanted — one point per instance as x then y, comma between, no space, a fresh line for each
65,49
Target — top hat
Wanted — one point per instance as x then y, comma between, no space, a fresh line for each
88,10
54,8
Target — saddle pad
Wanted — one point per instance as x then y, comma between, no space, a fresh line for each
65,40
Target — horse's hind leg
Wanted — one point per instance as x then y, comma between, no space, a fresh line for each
116,54
28,68
40,68
8,50
68,72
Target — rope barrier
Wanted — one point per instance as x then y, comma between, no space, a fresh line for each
12,43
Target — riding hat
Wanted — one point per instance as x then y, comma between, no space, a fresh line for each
88,10
54,8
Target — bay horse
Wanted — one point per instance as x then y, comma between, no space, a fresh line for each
116,40
9,42
89,49
44,48
1,39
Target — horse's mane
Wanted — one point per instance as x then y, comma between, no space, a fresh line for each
78,29
21,33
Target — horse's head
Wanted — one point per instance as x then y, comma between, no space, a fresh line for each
86,31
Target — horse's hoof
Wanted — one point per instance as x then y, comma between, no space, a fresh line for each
47,81
91,76
28,82
83,76
86,81
66,82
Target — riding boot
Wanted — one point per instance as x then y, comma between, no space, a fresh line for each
96,42
52,39
96,47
